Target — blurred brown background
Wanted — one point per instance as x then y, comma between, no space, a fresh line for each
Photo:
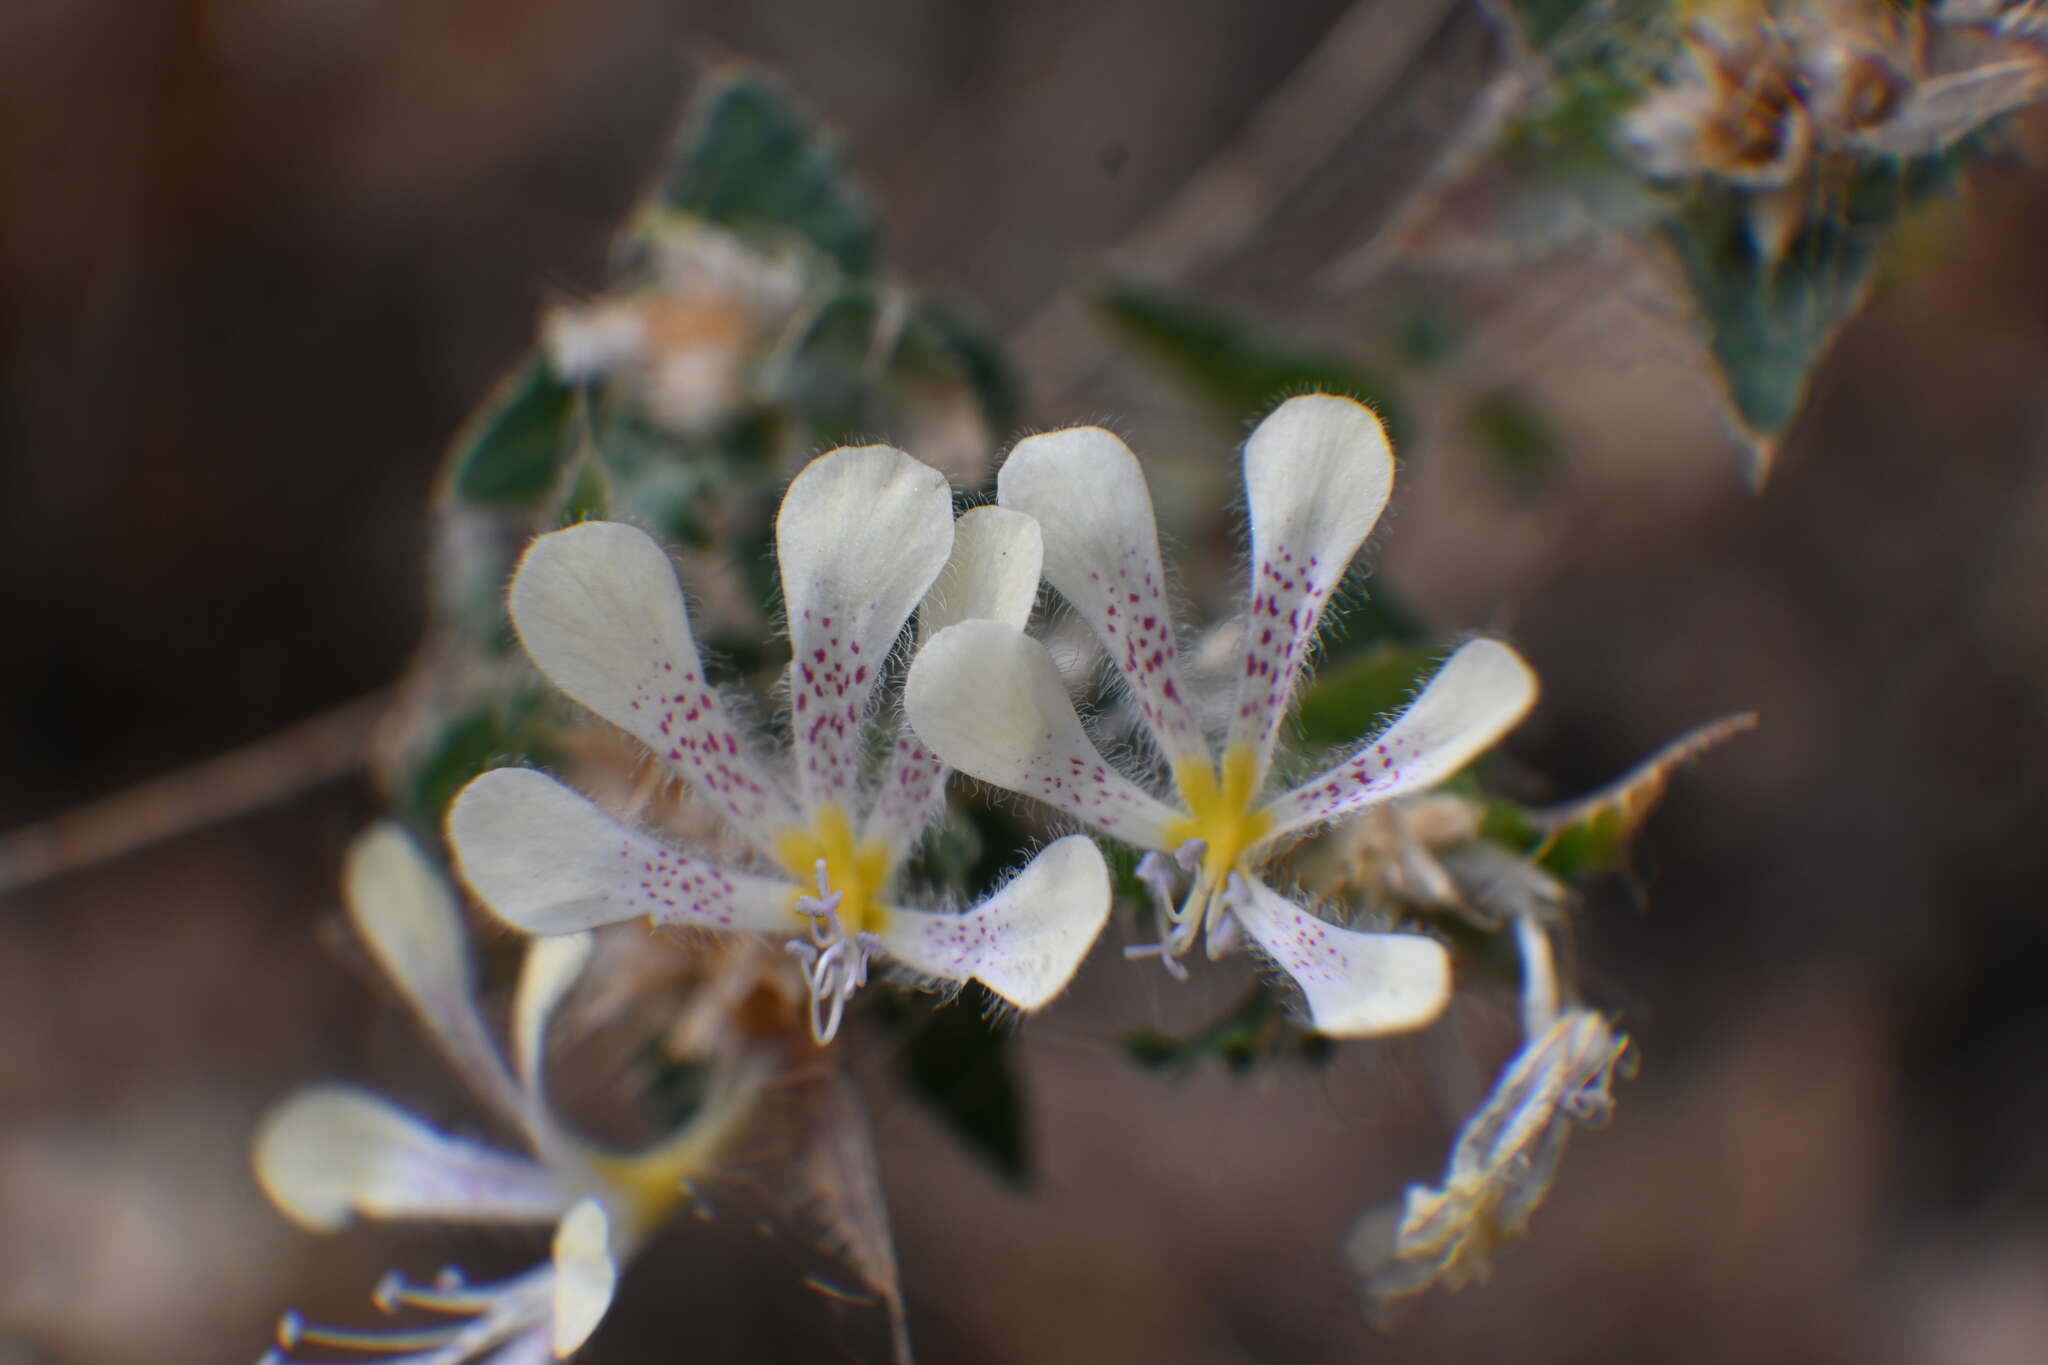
257,259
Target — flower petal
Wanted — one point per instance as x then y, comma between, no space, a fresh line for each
585,1275
550,862
1357,984
993,575
333,1152
1478,696
1026,941
862,534
988,700
998,555
553,966
1316,476
599,611
1102,552
402,908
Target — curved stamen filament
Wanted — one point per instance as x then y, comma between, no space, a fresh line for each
495,1314
835,962
1201,911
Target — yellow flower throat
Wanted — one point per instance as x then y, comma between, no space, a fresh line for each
1221,814
856,872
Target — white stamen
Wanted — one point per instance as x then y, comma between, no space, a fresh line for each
1225,935
493,1316
1180,920
1174,969
835,962
1156,875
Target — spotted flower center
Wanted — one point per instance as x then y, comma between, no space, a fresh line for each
855,871
1222,814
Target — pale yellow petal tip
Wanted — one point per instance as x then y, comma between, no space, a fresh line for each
307,1151
552,968
879,452
841,477
585,1275
1336,409
1500,669
402,908
606,548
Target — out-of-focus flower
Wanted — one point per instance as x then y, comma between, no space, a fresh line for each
989,700
1507,1153
863,535
332,1153
1777,100
686,342
1734,113
2019,18
1394,852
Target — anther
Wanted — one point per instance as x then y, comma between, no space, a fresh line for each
835,962
1173,965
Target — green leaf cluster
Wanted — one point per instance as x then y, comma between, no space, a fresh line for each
751,161
859,357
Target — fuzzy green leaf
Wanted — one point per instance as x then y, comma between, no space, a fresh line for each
489,735
1254,1030
751,160
1355,697
1769,323
512,450
589,495
831,378
1593,834
941,337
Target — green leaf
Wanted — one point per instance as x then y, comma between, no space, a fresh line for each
1577,37
512,450
1543,21
662,480
490,735
1238,367
1769,324
939,336
751,160
589,495
1352,699
831,377
957,1061
1593,834
1254,1030
951,854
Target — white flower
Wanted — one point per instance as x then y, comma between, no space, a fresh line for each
863,536
1507,1153
686,344
989,699
332,1153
